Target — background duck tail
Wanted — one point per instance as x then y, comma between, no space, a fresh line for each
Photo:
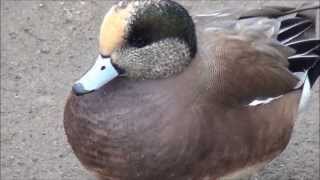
297,23
306,59
307,56
276,11
294,22
298,10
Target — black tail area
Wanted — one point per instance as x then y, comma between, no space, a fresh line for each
295,25
307,56
302,63
295,22
290,32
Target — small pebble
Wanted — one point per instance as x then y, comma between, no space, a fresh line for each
13,35
58,52
67,21
20,163
11,157
26,30
45,50
17,77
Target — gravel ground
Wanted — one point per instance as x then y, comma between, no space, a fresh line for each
45,47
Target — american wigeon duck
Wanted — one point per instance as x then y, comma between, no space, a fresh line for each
170,99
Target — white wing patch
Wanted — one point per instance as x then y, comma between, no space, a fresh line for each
264,101
305,96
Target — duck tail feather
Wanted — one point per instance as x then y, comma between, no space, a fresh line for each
301,63
287,22
293,31
305,46
306,57
294,21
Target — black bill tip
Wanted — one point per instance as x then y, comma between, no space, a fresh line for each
79,90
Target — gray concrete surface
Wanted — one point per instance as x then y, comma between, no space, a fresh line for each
45,47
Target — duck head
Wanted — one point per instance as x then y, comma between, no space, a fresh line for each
144,39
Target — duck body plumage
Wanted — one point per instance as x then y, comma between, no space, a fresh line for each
197,125
166,138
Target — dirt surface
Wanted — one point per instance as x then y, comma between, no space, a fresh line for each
45,47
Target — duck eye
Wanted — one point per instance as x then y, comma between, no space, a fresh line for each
138,42
139,37
102,68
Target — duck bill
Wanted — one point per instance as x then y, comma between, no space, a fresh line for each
100,74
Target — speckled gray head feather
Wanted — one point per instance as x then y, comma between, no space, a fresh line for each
162,59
